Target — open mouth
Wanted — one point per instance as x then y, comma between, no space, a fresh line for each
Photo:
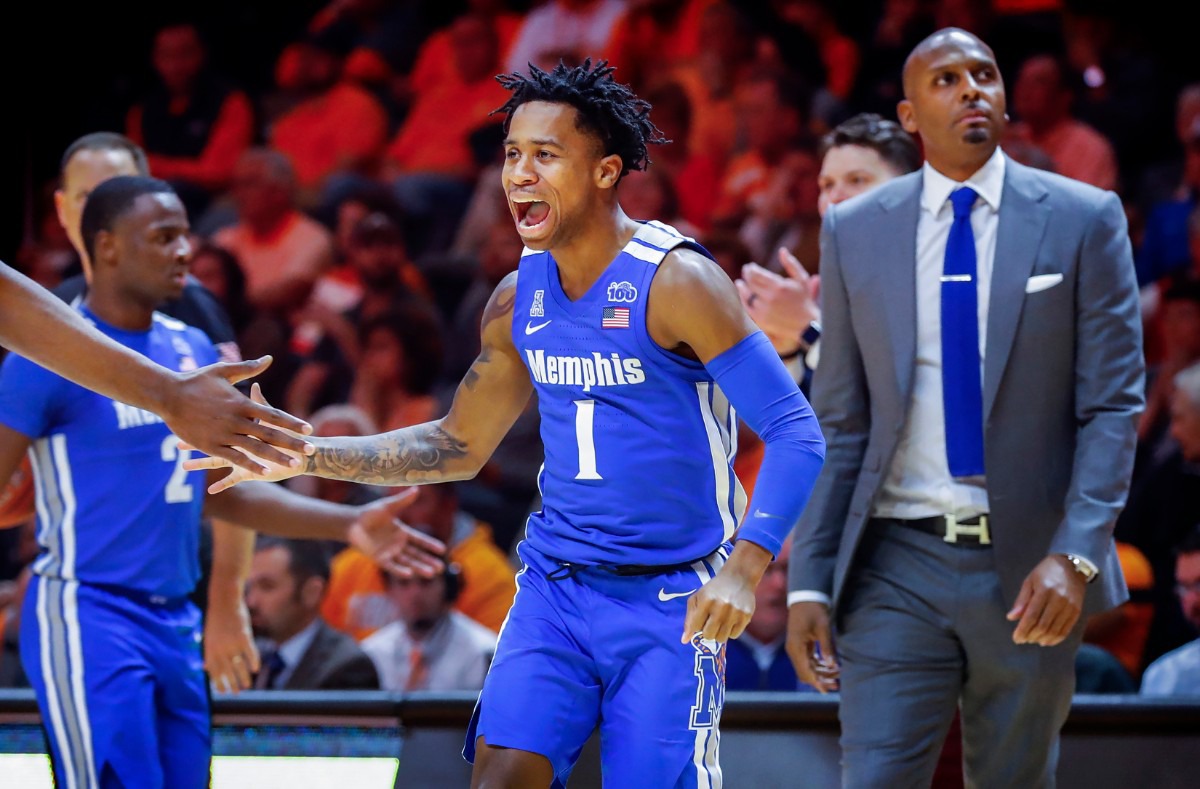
530,214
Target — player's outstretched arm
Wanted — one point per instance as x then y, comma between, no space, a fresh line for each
490,398
694,310
201,407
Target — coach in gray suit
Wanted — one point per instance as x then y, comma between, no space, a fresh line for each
980,378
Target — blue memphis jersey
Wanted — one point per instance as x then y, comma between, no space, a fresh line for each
639,442
114,504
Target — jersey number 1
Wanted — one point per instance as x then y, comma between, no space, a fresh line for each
585,411
178,490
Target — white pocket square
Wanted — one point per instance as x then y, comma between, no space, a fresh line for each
1042,282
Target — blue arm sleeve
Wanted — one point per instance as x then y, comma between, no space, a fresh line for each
767,399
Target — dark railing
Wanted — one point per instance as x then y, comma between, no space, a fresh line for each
768,739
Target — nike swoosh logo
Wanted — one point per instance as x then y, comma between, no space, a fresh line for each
530,328
664,596
760,514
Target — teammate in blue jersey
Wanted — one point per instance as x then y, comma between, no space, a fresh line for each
108,638
643,560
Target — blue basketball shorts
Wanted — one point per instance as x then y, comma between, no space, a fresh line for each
597,649
120,684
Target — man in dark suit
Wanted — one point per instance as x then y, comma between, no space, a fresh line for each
287,584
980,380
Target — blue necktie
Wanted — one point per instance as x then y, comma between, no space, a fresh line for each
962,387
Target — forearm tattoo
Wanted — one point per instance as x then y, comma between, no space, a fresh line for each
424,453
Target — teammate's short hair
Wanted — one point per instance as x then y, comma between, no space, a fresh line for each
105,141
887,138
306,558
607,109
109,201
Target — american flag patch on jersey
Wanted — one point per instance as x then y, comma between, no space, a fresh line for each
615,318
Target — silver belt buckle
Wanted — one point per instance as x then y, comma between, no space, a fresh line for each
954,528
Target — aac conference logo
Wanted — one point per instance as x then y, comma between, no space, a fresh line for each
622,292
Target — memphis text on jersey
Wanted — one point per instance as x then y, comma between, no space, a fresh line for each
585,371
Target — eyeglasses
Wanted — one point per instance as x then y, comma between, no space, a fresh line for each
1182,589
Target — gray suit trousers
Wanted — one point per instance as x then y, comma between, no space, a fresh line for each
921,629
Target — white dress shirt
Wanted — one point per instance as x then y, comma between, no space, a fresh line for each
918,482
458,652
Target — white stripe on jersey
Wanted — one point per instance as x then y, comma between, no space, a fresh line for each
719,450
57,729
78,688
643,252
66,489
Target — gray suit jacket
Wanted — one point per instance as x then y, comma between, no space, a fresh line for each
333,661
1062,388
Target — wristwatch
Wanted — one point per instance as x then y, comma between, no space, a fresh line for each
1082,567
809,337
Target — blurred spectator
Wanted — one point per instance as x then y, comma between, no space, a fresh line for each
694,174
381,278
654,37
399,363
758,187
430,162
756,660
379,38
336,127
192,123
284,592
1098,671
1042,98
1163,181
1178,673
435,59
219,271
1179,324
838,54
650,194
431,646
359,604
281,250
568,30
901,24
1164,248
1164,504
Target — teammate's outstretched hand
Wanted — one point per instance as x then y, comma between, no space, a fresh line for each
394,545
261,469
206,412
230,656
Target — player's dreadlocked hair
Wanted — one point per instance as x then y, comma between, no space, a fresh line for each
606,108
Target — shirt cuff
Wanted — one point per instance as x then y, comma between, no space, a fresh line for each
807,596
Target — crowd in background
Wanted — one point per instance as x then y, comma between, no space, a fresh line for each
351,222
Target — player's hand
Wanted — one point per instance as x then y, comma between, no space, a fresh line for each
264,469
810,646
230,656
205,411
721,609
394,545
782,307
1049,603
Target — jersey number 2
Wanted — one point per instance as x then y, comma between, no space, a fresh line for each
585,436
178,490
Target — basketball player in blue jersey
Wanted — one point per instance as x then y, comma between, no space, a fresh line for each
109,639
644,558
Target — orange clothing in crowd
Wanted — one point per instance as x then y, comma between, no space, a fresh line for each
1127,641
356,602
839,55
640,45
342,129
1077,150
230,135
300,249
434,137
435,58
748,174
